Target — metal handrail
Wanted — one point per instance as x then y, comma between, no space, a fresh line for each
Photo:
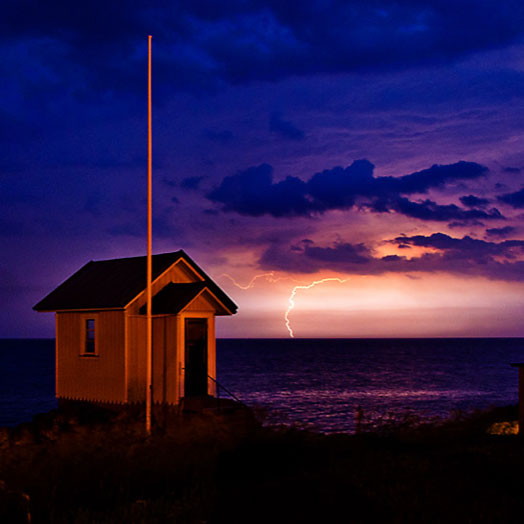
220,386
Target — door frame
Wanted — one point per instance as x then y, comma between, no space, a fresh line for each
199,373
211,349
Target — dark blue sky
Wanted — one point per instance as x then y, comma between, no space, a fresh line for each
375,141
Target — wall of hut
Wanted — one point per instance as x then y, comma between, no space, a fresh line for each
168,354
99,376
166,368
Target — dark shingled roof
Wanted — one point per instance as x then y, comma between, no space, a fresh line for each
114,283
173,298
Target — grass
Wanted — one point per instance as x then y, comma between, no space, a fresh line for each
227,468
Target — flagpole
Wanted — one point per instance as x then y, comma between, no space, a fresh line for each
149,344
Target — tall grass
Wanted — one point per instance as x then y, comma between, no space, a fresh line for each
219,467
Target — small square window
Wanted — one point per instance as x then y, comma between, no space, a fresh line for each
90,336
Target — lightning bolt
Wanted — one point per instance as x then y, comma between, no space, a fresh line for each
267,276
270,277
291,298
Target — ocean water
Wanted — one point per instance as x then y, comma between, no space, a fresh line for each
322,382
27,379
318,383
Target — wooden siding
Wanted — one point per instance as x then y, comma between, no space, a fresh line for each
165,359
98,378
204,302
136,358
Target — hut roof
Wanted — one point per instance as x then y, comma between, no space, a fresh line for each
106,284
173,298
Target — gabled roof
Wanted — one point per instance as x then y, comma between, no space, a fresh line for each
173,298
113,284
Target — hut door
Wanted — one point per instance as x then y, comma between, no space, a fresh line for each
196,357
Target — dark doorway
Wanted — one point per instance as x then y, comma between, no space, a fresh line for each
196,357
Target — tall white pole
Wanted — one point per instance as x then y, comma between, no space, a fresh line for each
149,381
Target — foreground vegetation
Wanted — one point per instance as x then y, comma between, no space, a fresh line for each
225,467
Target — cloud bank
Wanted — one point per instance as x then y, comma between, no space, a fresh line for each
462,256
206,44
253,192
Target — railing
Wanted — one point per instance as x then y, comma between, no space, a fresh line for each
220,386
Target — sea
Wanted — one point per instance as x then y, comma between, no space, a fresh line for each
321,384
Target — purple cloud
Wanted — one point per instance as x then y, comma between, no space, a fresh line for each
474,201
285,128
464,256
515,199
500,231
429,210
253,192
207,45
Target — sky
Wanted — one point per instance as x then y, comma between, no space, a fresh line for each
375,144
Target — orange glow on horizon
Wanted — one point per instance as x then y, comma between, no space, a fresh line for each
270,277
389,305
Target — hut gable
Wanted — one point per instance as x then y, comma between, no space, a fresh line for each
173,299
206,301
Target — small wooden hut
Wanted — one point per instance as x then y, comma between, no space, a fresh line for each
101,330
